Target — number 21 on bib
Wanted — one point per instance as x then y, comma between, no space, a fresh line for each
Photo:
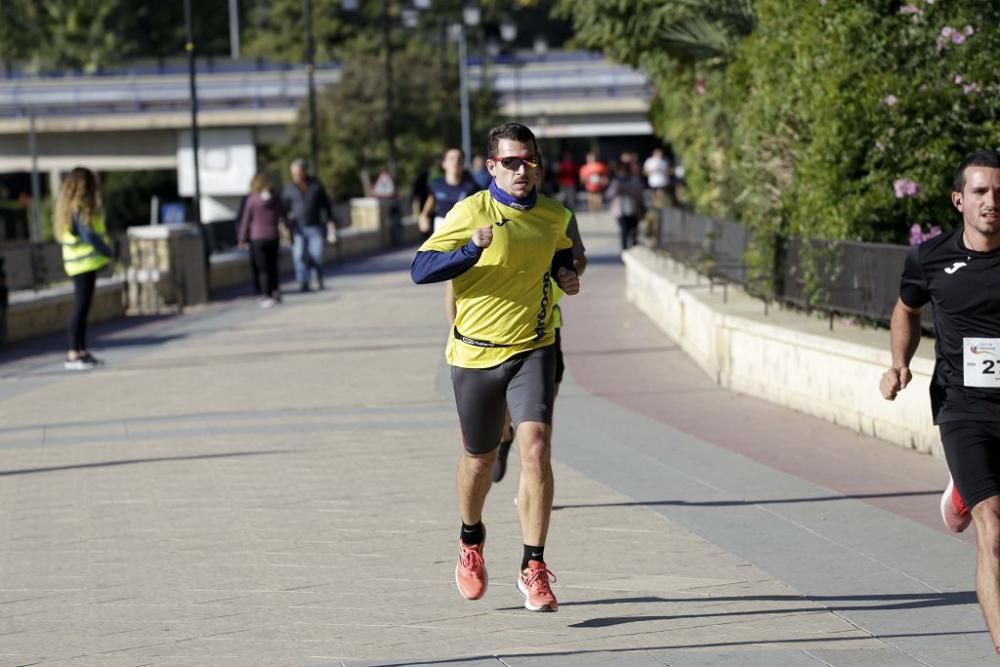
981,361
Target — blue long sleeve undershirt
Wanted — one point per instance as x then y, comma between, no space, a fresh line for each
91,237
432,266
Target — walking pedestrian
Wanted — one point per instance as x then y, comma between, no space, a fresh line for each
594,176
500,247
625,192
959,273
657,172
260,227
566,172
86,249
309,210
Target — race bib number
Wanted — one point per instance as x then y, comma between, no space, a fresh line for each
981,360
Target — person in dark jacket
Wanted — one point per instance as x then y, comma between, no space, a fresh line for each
263,214
309,211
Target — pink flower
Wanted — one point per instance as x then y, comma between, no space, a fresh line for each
918,235
958,38
968,31
904,187
699,86
923,88
970,88
909,9
890,100
947,31
959,79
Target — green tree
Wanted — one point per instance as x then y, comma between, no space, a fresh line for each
829,120
351,118
88,35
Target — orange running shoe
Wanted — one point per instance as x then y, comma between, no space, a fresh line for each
470,572
956,515
533,583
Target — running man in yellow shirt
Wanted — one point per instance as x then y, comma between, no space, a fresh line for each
499,248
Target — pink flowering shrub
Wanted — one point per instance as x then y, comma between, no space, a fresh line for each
918,235
848,118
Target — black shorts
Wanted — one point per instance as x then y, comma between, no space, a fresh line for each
524,383
972,449
560,364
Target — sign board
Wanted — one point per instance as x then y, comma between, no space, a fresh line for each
172,213
227,161
384,187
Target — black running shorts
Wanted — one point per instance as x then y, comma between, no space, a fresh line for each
560,364
972,449
525,383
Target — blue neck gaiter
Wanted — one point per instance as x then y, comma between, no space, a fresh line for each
510,200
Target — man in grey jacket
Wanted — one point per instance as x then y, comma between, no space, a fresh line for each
311,216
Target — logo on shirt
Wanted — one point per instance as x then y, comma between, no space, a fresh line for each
955,267
501,223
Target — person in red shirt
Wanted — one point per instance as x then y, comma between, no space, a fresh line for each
566,179
594,176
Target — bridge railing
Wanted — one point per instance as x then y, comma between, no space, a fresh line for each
266,85
835,277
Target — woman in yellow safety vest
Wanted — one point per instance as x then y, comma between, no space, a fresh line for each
79,228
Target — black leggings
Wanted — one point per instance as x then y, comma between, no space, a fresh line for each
265,265
628,225
84,285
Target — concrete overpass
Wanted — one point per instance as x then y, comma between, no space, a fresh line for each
139,119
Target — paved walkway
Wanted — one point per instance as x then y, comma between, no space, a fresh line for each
248,487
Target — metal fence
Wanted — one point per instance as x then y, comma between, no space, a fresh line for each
35,266
841,277
31,265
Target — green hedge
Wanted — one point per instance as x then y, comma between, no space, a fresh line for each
837,120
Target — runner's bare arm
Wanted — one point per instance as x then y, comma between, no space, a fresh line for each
904,339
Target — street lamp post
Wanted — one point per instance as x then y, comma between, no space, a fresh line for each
311,79
463,87
192,78
234,29
470,17
35,229
390,137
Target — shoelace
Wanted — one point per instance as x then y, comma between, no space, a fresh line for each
539,580
471,560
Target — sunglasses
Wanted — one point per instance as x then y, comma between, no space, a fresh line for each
514,163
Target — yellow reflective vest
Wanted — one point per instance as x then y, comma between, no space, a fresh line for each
78,255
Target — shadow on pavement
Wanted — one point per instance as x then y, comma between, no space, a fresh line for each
126,462
884,602
738,503
790,642
109,334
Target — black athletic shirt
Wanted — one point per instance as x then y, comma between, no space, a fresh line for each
446,195
963,287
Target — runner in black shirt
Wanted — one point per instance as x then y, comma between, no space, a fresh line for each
959,274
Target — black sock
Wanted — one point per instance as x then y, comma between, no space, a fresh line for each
472,535
532,553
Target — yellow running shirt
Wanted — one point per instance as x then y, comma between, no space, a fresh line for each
506,298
